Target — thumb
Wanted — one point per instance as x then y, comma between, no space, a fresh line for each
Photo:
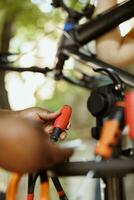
46,115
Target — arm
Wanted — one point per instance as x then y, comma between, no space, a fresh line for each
24,145
111,47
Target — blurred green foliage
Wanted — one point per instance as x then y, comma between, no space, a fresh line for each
29,18
30,21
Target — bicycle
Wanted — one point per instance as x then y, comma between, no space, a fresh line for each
77,36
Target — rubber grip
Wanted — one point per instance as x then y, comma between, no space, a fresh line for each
44,191
63,120
129,112
109,138
12,187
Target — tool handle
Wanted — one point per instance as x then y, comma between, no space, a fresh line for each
129,112
110,132
63,120
109,137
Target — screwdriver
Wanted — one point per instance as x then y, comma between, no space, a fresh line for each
61,122
60,125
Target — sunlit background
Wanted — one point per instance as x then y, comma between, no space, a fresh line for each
29,89
25,88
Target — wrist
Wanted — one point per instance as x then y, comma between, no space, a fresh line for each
5,112
8,114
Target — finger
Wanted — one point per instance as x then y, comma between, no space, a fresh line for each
48,129
63,135
46,115
68,126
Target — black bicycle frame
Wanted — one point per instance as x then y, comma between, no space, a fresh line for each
80,35
101,24
104,22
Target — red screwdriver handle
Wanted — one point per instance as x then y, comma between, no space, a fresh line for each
61,122
63,119
129,112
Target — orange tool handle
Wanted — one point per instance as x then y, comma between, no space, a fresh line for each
11,193
63,120
13,186
129,112
44,191
109,137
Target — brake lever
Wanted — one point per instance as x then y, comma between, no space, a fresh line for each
119,85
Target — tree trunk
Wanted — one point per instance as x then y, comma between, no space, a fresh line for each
6,35
5,40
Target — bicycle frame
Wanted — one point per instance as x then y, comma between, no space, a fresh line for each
80,35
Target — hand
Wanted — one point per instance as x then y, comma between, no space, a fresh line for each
41,116
44,117
24,145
